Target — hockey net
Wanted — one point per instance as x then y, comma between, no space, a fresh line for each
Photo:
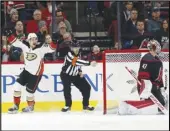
118,84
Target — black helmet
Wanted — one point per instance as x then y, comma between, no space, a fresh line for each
75,47
75,44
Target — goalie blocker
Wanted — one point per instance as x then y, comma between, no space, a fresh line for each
150,79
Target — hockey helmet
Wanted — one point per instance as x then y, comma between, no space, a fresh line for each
154,45
31,35
75,47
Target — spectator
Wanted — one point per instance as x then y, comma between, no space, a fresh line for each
19,6
155,23
162,35
125,16
64,46
141,35
134,40
59,18
19,31
14,18
43,31
20,35
49,56
95,54
142,11
62,28
5,49
59,35
67,36
15,53
130,25
32,25
46,10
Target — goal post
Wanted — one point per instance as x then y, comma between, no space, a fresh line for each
118,84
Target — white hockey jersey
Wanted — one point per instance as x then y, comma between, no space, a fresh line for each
33,58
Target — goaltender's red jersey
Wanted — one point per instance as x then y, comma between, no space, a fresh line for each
151,68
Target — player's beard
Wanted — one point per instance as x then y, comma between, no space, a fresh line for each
33,45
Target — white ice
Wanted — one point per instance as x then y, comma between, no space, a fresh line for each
82,121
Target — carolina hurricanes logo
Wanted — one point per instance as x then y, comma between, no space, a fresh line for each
31,56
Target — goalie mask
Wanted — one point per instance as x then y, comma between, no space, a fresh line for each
154,45
75,47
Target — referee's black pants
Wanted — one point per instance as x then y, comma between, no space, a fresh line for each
80,83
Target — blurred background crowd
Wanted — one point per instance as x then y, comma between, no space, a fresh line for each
98,26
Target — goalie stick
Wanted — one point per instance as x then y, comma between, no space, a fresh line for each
166,78
152,97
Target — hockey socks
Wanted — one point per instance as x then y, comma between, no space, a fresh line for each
30,102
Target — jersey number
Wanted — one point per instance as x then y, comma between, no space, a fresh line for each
144,66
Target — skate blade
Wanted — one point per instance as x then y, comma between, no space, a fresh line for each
27,112
160,113
88,111
12,112
67,112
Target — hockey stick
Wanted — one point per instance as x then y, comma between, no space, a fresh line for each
152,97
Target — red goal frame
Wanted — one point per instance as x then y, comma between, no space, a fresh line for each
104,71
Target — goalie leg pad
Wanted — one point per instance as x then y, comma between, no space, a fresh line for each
137,108
126,109
166,97
145,89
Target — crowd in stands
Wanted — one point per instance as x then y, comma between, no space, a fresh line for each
140,21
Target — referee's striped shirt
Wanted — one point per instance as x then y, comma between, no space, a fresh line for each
72,64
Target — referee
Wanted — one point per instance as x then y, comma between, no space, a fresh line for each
72,73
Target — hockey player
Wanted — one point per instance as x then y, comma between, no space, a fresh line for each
72,73
32,73
150,76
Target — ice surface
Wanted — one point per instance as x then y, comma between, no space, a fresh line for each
82,121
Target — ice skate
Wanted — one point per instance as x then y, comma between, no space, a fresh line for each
28,109
66,109
88,108
14,109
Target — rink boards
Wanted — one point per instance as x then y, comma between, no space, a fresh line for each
49,95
